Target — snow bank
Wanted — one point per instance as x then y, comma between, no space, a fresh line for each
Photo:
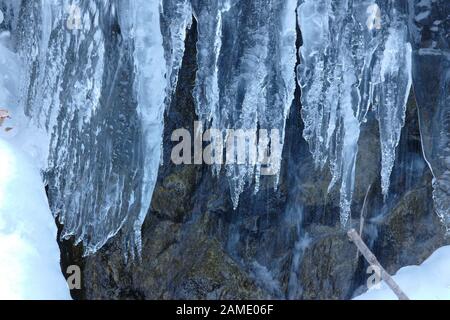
429,281
29,254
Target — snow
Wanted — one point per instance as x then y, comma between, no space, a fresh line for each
428,281
29,254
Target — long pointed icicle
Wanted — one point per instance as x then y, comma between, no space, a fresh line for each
354,55
246,57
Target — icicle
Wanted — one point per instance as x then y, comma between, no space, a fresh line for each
209,28
176,19
330,72
150,91
392,91
342,73
104,125
246,80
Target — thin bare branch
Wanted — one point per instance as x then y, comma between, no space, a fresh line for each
372,260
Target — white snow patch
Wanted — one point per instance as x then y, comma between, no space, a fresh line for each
29,254
429,281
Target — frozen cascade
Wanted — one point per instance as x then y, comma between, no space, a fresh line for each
430,25
247,54
350,62
104,126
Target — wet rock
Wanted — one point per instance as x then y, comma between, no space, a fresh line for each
330,277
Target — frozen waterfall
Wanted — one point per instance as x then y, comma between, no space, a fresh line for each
101,74
104,124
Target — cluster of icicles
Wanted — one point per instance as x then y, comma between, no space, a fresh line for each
355,58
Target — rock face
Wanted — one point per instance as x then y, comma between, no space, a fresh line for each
277,244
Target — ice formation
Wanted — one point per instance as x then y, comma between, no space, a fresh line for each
347,67
246,57
176,18
103,124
